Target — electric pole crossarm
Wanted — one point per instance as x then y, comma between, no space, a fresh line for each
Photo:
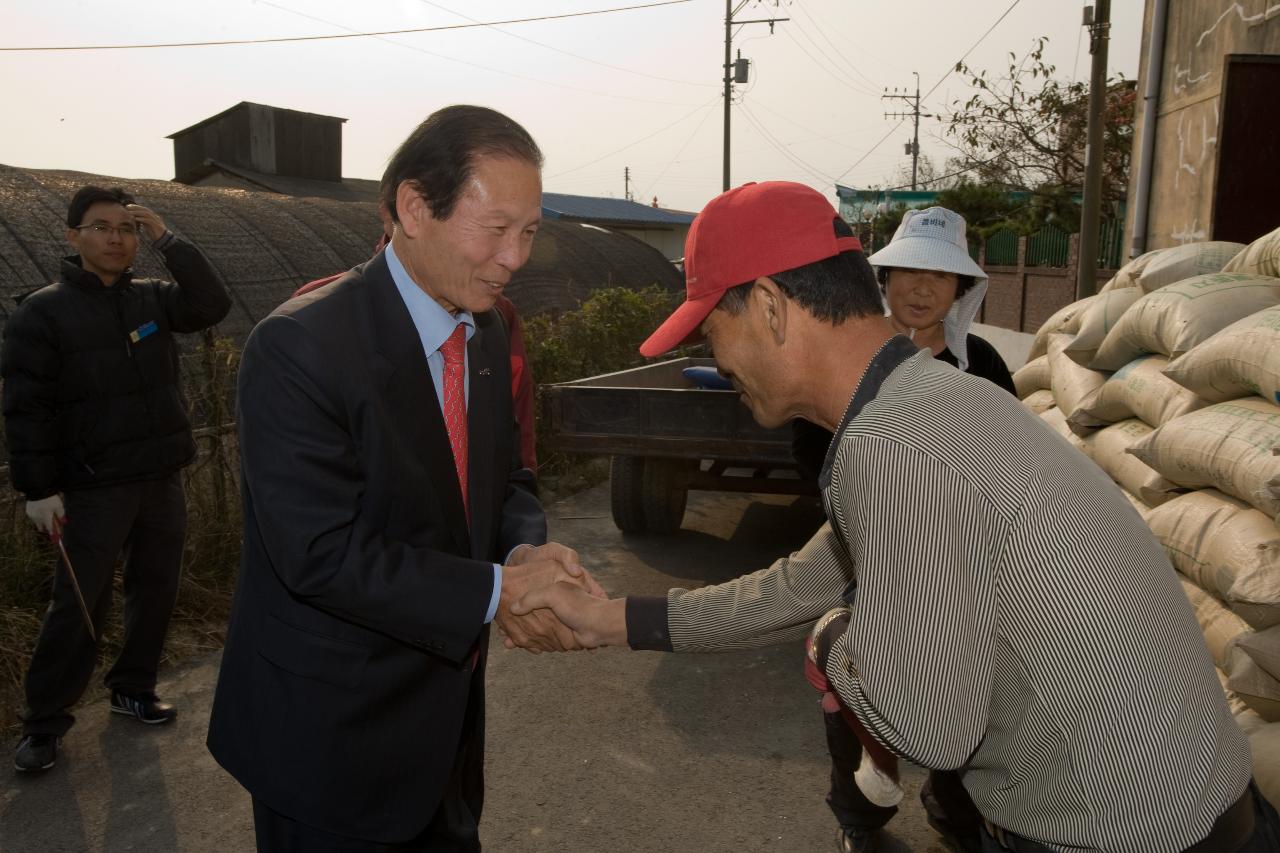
913,147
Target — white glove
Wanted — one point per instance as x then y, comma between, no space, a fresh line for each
43,513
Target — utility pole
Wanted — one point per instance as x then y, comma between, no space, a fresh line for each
1098,20
626,183
739,68
912,147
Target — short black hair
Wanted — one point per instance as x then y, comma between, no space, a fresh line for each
963,282
833,289
440,153
87,196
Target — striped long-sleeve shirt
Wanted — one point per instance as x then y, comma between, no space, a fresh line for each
1012,616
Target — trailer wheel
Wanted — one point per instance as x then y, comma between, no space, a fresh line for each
626,480
664,493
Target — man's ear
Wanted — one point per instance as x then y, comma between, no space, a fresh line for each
774,306
73,237
412,208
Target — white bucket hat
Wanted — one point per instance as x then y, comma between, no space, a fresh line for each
933,239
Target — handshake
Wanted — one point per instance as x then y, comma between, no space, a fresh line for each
549,603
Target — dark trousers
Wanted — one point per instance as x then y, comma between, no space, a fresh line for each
947,804
454,828
146,521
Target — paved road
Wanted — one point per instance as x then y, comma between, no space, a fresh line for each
610,750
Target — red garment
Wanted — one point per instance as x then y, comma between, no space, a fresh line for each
831,703
522,395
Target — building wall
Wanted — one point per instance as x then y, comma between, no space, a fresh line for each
669,243
1198,37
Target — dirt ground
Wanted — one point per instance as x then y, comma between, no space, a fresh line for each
608,750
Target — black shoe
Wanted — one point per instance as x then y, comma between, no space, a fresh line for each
145,708
36,753
857,839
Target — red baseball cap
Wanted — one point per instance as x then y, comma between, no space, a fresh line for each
741,235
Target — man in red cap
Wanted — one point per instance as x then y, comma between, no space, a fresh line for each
986,601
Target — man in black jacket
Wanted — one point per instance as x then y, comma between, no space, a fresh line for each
97,432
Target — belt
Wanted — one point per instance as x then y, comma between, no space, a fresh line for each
1229,832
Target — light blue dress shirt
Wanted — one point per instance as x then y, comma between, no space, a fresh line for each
435,325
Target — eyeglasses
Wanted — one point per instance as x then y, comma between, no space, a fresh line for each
104,228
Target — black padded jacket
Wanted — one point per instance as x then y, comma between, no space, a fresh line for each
92,388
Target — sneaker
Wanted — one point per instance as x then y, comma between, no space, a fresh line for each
145,708
36,753
857,839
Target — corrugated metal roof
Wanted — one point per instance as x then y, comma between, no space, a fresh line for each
243,105
266,245
614,210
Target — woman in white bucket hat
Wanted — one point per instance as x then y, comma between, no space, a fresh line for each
933,290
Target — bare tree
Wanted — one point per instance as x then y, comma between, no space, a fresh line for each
1027,130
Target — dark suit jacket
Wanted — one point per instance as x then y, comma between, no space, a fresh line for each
362,594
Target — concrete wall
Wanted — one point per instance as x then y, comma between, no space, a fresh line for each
1198,37
1020,298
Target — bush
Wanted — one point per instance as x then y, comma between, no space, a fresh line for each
602,336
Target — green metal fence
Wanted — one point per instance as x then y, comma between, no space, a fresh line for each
1051,246
1002,248
1111,244
1048,247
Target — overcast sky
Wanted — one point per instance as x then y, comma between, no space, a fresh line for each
638,89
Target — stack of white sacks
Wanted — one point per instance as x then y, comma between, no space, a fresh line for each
1169,379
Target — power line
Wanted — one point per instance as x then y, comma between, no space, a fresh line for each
956,173
948,73
834,60
822,32
466,62
680,151
782,149
287,39
840,78
566,52
972,47
870,150
636,142
809,130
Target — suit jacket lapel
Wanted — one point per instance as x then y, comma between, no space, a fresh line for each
406,386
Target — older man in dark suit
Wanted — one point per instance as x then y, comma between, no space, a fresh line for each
387,516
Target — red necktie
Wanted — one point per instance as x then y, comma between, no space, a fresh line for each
455,404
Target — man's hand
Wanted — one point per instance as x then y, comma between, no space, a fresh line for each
147,220
529,568
592,621
47,514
